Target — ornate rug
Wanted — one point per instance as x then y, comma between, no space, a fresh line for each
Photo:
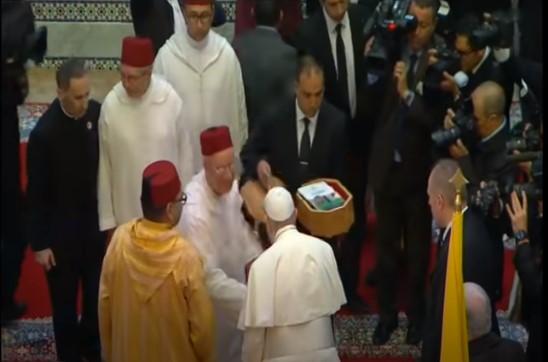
32,339
28,116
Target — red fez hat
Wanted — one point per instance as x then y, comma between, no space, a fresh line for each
161,184
215,139
197,2
137,52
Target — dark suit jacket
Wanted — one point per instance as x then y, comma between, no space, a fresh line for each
275,140
313,39
381,105
268,70
492,347
478,267
530,274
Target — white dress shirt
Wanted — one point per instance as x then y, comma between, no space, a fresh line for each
349,53
300,125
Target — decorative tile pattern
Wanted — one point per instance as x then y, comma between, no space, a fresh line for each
92,63
32,340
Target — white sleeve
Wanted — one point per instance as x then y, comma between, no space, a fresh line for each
107,219
253,346
184,148
225,292
158,66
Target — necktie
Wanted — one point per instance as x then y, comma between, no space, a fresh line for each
403,107
342,73
304,151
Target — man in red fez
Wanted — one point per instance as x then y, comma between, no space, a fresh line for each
153,280
213,222
142,120
203,68
246,20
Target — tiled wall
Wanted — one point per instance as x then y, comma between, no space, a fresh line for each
94,29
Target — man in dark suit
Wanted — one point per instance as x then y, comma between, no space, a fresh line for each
399,165
484,345
333,36
478,62
477,259
487,162
301,140
154,19
268,63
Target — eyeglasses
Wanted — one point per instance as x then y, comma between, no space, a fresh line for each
202,18
224,169
182,200
132,78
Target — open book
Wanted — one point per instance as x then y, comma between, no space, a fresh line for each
321,196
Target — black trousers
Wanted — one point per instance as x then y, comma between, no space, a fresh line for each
76,338
12,238
407,217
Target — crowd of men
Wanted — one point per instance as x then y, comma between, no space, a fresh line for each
137,199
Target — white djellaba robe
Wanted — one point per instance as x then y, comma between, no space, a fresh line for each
293,289
134,133
208,78
216,227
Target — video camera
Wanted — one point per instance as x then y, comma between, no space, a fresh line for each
463,129
484,198
530,141
496,32
390,24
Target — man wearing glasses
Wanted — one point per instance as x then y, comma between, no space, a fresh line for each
204,70
141,122
212,221
153,303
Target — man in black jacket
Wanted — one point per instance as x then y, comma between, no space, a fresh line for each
477,260
399,165
529,269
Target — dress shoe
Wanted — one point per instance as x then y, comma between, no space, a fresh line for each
414,334
13,311
383,331
372,277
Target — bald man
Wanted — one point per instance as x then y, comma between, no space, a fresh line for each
488,161
484,345
287,316
477,261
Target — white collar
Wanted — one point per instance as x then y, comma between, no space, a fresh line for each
332,25
451,223
198,45
283,230
485,55
301,115
500,128
65,112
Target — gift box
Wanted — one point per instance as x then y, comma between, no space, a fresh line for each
327,224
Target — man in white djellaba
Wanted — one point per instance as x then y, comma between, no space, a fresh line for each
202,67
294,288
213,222
142,121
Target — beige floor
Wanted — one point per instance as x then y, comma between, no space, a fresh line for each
43,89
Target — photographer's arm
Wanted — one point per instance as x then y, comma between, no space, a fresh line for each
529,271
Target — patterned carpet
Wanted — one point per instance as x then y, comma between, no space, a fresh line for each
32,339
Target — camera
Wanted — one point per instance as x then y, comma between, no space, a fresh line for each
390,24
463,129
448,61
529,141
496,32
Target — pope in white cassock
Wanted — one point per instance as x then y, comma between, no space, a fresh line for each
204,70
293,290
213,222
142,121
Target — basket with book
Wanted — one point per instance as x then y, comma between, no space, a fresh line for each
325,207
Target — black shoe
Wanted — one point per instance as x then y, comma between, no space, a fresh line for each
372,277
383,331
358,306
13,312
414,334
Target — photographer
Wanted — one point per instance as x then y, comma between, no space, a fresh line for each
529,268
487,161
399,165
477,61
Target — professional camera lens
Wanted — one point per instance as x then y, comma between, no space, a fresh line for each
446,136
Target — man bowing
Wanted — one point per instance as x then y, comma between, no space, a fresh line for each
141,122
214,223
204,70
287,316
